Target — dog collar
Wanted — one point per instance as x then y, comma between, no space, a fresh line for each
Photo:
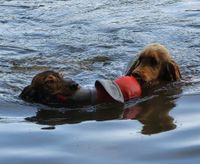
62,99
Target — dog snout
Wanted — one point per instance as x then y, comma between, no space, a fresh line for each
70,84
74,85
136,74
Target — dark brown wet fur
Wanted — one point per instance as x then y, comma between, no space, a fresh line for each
46,86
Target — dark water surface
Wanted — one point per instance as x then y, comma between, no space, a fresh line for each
89,40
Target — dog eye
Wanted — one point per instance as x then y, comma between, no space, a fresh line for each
153,61
51,81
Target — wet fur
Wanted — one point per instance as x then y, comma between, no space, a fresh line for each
153,65
46,86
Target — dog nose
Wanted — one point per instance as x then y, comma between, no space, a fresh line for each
74,85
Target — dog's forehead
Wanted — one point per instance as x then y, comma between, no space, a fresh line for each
156,52
52,77
43,76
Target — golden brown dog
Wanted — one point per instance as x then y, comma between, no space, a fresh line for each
154,64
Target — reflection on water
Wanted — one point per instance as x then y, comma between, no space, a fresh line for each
152,113
89,40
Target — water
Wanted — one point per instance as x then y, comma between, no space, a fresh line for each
88,40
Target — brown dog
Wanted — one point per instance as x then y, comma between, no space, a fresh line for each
46,86
154,64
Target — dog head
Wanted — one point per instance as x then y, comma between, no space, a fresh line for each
46,86
155,64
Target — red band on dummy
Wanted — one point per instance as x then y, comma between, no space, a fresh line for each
62,99
129,86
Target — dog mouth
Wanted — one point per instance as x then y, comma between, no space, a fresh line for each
66,87
144,83
139,77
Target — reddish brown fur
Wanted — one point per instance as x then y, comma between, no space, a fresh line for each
46,86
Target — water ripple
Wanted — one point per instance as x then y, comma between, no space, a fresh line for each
88,40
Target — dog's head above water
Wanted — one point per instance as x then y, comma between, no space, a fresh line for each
47,86
153,65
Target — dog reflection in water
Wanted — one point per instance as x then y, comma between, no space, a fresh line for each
152,113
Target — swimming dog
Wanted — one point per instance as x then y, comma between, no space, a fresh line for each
153,65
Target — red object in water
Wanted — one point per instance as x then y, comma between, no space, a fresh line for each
129,86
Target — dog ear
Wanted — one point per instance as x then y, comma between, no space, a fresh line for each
28,94
131,66
32,94
171,71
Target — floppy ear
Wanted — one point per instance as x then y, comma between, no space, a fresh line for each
171,71
131,66
28,94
